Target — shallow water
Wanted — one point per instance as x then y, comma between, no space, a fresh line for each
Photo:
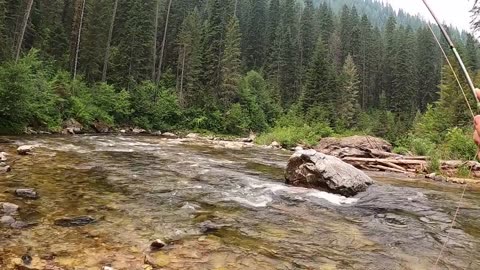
143,188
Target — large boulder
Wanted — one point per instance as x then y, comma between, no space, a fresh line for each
311,169
101,127
356,146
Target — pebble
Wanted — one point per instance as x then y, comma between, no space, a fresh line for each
27,193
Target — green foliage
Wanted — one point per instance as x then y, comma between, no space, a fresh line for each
289,136
459,145
236,120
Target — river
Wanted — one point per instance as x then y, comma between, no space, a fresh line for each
139,189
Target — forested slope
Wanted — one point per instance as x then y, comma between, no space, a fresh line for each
229,66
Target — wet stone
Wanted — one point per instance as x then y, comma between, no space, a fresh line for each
25,149
5,169
27,193
21,225
395,221
9,208
3,156
7,220
157,245
75,221
209,227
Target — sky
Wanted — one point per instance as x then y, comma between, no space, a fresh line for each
455,12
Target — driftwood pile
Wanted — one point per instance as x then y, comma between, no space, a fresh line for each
375,154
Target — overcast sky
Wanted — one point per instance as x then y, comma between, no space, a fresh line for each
455,12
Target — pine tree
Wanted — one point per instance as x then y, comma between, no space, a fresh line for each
308,34
213,43
347,102
231,64
189,61
320,85
23,28
109,42
429,68
326,22
255,35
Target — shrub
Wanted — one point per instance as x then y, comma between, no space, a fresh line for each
236,120
459,145
291,136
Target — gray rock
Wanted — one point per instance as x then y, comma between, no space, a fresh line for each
192,136
74,221
5,169
209,227
138,131
20,225
27,193
311,169
169,135
7,220
72,126
275,145
3,156
25,149
157,244
9,208
157,133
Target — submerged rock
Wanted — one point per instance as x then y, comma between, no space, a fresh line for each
27,193
3,156
9,208
5,169
21,224
25,149
74,221
312,169
209,227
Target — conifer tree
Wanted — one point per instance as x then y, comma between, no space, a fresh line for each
189,61
308,34
231,64
347,102
320,85
255,36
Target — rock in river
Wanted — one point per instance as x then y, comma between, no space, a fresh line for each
75,221
157,244
312,169
27,193
9,208
25,149
7,220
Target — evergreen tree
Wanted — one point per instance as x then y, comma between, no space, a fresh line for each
318,97
255,35
429,68
347,102
189,61
231,63
308,34
326,22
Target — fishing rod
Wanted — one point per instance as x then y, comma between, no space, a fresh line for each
455,52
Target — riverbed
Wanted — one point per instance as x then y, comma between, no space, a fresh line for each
142,188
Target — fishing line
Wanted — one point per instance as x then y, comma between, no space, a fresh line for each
453,70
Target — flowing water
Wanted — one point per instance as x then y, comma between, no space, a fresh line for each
143,188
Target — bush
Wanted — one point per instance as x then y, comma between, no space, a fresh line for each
292,136
459,145
236,120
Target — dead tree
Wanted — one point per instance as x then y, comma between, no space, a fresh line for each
109,41
162,51
23,28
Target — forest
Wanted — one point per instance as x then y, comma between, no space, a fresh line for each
292,71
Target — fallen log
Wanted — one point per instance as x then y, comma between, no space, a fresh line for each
385,168
379,160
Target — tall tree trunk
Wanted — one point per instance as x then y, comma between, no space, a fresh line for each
155,37
26,17
235,8
109,41
162,51
77,48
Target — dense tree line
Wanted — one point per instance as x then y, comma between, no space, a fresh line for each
221,65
